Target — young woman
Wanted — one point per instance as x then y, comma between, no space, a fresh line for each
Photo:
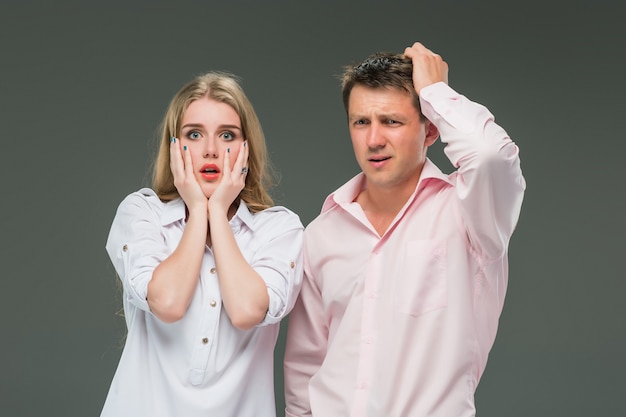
209,265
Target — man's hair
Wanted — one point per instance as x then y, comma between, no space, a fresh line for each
380,70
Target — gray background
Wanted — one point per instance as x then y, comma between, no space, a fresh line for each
84,86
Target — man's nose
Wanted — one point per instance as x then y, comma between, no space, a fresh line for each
375,138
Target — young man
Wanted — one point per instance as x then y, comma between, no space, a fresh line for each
405,267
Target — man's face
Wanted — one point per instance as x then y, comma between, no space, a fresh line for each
388,137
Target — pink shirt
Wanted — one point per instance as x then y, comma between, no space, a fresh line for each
401,325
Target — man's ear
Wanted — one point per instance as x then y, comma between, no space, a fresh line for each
432,133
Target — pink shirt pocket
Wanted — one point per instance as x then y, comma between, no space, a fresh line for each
422,284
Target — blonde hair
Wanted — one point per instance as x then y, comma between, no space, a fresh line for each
224,88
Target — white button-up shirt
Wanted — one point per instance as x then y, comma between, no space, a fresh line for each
200,365
401,325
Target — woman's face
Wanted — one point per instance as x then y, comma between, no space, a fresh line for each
208,129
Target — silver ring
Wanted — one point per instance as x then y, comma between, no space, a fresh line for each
244,170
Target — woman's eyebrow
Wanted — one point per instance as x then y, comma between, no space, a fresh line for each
200,125
230,127
192,125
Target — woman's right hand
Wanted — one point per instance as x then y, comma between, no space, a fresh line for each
184,177
175,279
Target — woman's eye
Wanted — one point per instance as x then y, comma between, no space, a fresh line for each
193,135
228,136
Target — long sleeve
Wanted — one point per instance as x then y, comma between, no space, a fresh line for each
136,245
277,258
307,341
489,181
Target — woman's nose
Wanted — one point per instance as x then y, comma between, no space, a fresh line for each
209,149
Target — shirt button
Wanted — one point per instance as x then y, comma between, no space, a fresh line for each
205,340
125,248
213,303
213,270
292,264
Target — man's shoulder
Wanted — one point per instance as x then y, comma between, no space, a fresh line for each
326,221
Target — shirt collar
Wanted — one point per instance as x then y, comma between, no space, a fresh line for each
242,216
174,211
348,192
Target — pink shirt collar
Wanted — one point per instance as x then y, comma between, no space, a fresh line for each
349,191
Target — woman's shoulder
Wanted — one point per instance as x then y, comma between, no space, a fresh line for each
141,197
276,216
146,194
143,202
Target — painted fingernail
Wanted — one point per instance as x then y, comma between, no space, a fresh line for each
185,147
172,139
245,143
228,150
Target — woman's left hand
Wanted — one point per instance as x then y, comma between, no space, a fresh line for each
232,182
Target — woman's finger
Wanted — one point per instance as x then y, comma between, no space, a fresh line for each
176,161
226,170
188,168
241,165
